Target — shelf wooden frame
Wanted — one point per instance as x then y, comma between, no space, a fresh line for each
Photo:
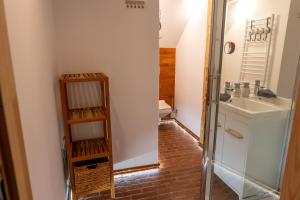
83,77
84,115
91,149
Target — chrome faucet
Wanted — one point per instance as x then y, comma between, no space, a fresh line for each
228,89
256,87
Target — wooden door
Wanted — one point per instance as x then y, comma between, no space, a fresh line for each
167,75
11,136
291,182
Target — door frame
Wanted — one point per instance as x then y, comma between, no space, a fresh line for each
13,150
291,177
206,69
214,54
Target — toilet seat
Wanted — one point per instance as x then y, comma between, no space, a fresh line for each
164,106
164,109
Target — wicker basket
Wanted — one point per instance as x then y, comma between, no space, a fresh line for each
92,178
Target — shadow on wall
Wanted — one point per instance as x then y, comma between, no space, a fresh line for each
137,152
122,43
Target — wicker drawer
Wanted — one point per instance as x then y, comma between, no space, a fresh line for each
92,178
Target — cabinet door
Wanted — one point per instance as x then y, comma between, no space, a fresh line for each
219,145
220,138
235,145
235,153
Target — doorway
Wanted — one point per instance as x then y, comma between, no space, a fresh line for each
251,101
182,36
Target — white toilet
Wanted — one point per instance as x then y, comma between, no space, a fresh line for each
164,109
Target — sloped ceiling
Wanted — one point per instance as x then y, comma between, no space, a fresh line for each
174,18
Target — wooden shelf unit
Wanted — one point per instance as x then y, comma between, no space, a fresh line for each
84,77
89,149
92,114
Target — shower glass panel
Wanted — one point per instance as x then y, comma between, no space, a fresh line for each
252,99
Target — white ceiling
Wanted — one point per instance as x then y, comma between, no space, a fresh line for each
174,19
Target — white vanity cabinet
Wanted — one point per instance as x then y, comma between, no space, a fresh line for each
249,150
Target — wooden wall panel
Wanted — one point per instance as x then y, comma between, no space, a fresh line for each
167,75
291,182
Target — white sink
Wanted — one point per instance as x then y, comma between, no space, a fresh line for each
251,107
249,134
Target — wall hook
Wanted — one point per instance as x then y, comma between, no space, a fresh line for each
135,4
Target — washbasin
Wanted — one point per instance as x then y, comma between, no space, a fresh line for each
251,107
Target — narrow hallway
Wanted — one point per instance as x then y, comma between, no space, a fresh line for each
178,176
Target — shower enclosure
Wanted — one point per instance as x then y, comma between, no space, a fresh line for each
246,137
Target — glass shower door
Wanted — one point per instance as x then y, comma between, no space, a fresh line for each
250,108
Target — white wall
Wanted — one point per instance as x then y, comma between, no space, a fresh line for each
290,59
190,68
174,18
238,13
105,36
31,34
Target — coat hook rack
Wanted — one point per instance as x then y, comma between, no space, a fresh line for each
135,4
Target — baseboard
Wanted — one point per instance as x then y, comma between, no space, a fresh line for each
136,169
167,118
189,131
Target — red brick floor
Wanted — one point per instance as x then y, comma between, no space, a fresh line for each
179,175
221,191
